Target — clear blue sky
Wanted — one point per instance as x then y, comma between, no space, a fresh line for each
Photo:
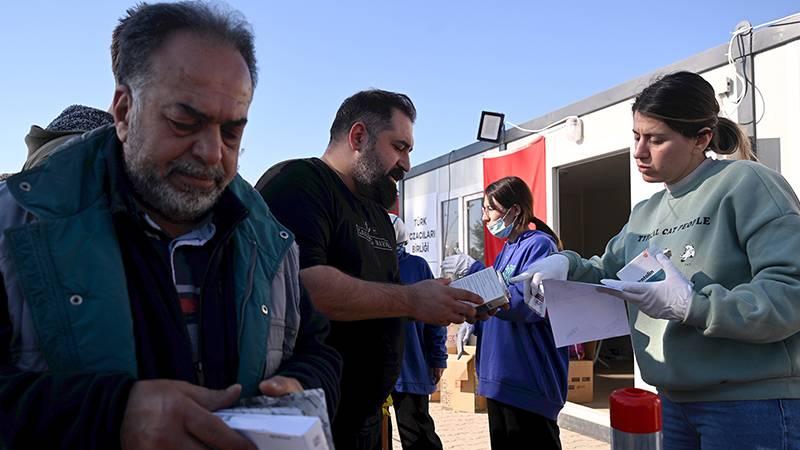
454,58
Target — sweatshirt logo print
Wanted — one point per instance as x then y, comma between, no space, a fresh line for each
508,272
368,234
688,252
705,221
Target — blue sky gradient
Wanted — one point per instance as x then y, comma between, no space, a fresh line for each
454,59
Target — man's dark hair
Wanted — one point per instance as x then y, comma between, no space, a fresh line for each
147,26
374,108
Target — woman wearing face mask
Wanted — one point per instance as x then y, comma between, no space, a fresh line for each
719,334
520,370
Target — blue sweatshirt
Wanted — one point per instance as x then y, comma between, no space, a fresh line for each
518,362
425,344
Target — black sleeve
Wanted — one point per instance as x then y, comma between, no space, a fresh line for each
69,411
296,194
314,364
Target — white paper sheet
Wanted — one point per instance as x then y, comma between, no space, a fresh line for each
582,312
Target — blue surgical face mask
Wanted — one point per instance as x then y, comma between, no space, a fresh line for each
499,229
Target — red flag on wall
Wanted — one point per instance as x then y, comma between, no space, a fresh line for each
527,163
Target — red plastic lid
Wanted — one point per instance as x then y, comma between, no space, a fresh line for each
635,411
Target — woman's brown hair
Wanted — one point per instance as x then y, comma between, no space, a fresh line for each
686,102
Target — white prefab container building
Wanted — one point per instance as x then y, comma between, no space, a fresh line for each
591,180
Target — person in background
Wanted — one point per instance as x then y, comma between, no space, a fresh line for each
424,359
143,283
336,206
520,371
73,121
718,334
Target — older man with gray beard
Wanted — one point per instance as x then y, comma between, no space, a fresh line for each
143,283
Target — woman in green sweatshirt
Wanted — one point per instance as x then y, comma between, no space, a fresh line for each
718,336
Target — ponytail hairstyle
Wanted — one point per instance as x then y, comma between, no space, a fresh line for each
509,191
686,102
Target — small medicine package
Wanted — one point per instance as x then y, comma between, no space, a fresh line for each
641,268
296,421
271,432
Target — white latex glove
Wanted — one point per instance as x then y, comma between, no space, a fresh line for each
456,266
553,267
668,299
462,337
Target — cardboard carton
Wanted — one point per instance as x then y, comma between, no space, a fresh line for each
459,383
580,381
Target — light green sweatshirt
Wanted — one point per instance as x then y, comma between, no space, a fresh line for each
734,230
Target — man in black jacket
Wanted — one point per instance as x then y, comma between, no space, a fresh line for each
143,283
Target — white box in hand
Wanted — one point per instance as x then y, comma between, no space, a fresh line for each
486,283
273,432
641,268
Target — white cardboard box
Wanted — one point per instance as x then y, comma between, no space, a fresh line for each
488,285
274,432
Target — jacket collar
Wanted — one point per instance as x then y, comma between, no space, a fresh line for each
70,181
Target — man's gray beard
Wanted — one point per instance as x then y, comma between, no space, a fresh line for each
159,194
371,180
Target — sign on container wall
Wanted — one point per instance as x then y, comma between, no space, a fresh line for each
423,230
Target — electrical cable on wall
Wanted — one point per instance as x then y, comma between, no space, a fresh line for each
574,123
748,82
561,122
738,36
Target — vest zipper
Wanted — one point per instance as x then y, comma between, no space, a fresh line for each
249,291
199,367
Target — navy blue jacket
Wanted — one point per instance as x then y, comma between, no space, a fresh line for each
518,362
425,344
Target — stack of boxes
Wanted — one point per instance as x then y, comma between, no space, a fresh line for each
459,381
456,389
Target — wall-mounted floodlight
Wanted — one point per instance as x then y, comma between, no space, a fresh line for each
491,127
